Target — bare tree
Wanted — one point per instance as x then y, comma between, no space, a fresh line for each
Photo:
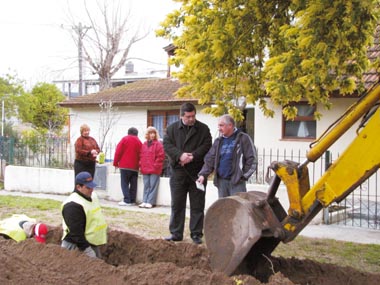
106,38
109,117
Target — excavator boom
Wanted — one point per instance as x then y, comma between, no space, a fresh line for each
242,230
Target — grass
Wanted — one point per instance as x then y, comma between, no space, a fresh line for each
364,257
29,203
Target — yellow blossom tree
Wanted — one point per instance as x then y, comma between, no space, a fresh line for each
234,52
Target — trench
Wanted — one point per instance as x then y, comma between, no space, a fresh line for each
156,258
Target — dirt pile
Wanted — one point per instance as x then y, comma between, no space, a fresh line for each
130,259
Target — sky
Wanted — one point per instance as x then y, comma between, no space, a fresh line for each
37,45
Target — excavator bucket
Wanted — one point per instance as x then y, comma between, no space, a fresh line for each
239,231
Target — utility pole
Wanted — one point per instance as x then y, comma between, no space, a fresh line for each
81,31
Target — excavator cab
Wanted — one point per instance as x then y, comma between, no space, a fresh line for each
243,230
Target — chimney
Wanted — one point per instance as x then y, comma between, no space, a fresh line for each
129,67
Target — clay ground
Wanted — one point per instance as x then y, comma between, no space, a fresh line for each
131,259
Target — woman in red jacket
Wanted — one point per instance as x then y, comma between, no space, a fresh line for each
151,162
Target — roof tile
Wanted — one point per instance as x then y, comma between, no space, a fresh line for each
138,93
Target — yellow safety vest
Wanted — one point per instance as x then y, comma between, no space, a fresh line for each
11,227
96,227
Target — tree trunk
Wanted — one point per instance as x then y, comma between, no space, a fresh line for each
104,83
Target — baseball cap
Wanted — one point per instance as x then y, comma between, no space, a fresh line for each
85,178
40,232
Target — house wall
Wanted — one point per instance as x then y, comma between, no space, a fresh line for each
129,117
268,131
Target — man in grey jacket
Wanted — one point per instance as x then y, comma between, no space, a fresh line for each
233,158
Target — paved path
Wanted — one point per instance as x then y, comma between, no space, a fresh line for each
336,232
343,233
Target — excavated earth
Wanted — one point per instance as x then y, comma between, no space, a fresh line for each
131,259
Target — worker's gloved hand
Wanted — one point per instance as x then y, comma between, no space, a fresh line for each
90,252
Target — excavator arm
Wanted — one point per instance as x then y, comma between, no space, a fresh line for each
241,230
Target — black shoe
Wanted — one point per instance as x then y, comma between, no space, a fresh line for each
197,239
172,238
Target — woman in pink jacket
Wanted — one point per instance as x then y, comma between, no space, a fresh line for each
151,162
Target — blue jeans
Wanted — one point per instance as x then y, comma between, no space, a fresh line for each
128,181
226,188
151,182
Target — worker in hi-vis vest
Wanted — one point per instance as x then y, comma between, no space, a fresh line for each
19,227
84,226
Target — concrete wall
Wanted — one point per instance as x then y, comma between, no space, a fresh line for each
58,181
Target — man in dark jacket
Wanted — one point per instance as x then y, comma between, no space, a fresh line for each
186,143
232,156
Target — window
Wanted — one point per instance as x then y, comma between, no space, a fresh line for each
304,126
161,119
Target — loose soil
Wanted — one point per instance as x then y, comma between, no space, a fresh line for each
132,259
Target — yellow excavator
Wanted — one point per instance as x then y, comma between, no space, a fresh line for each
242,230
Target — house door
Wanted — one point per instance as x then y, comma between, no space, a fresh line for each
248,125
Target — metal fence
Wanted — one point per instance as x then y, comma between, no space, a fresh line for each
266,156
361,208
41,152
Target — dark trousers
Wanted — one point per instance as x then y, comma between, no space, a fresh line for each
128,181
84,165
180,185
